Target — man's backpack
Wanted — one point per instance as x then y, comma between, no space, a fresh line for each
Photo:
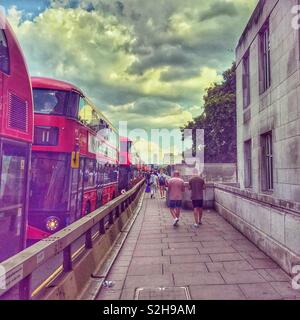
162,180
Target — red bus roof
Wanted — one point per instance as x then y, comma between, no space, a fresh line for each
54,84
16,111
41,82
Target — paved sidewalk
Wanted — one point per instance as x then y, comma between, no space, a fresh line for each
214,262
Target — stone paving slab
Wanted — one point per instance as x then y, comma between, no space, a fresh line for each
185,268
154,281
216,292
260,291
195,278
221,250
139,270
190,258
180,252
214,262
148,253
240,277
217,257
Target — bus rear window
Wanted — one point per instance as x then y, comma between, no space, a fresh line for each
49,101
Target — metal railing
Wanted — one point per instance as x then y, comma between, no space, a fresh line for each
17,271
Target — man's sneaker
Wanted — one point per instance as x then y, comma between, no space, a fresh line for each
175,222
200,223
195,225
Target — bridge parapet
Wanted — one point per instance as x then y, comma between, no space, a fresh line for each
272,224
79,249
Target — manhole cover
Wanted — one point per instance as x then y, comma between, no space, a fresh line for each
170,293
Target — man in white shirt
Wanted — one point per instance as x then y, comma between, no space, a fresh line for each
153,184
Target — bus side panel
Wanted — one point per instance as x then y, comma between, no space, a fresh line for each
89,202
109,193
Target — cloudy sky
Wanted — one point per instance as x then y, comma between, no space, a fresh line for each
147,62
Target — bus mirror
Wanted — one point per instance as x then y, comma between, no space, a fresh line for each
75,160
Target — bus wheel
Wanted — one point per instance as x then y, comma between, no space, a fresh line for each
87,208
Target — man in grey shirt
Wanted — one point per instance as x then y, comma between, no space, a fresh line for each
197,185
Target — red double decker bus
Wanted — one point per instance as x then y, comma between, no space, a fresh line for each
74,158
16,121
131,166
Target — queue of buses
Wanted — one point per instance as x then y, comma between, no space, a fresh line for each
59,155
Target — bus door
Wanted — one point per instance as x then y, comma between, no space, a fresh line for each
77,191
1,100
13,184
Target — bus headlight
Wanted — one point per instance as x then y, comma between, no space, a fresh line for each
52,224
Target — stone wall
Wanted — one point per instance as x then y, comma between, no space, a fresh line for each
273,225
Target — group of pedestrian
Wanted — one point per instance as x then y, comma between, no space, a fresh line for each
176,188
157,181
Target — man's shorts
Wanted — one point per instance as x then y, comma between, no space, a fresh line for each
197,203
174,204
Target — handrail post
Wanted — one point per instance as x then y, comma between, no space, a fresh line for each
117,212
67,262
88,239
24,288
101,227
111,217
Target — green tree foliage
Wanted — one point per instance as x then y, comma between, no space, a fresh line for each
219,120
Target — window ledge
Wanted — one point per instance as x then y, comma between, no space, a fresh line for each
267,192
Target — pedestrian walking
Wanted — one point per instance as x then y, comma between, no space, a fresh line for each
175,189
148,185
153,184
197,186
162,184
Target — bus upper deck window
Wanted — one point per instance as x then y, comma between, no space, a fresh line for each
49,101
73,105
4,56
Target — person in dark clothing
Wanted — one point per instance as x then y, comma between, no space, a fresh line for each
197,186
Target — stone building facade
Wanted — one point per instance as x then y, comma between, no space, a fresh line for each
266,206
269,108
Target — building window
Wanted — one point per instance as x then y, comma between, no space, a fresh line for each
267,162
246,80
264,58
248,163
4,56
